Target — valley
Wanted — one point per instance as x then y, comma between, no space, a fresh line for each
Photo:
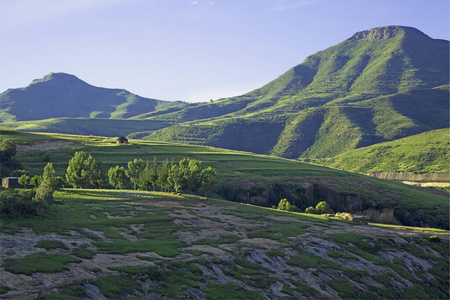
346,126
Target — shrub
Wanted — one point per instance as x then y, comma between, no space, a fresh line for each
311,210
434,239
285,205
17,203
323,208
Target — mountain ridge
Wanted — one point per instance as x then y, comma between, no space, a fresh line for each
59,95
378,85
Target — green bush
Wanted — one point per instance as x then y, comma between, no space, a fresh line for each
434,239
311,210
17,203
285,205
323,208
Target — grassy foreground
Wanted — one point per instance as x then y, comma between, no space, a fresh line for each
133,244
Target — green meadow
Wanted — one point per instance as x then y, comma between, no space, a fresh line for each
252,173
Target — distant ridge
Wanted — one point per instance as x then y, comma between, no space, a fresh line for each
59,95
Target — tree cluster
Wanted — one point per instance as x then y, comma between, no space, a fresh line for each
188,175
84,170
321,208
285,205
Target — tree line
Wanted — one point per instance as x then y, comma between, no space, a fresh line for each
188,175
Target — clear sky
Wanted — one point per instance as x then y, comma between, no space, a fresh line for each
190,50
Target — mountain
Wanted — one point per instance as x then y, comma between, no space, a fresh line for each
63,95
379,85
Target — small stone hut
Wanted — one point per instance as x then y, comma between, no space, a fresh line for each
11,182
122,140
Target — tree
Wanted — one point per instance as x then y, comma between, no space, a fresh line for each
174,178
60,182
7,154
285,205
135,168
24,180
118,177
44,192
323,208
79,169
36,180
190,171
97,175
163,174
153,173
208,181
144,177
7,150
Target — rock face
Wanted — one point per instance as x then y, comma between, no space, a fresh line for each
410,176
385,215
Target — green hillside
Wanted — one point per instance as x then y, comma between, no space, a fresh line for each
63,95
427,152
111,244
250,178
376,86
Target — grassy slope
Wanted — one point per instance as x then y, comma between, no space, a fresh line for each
155,245
422,153
88,126
259,170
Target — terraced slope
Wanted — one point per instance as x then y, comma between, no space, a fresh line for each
118,244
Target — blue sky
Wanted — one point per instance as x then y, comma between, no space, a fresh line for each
190,50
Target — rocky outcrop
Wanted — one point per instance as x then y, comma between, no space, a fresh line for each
410,176
384,215
383,33
352,217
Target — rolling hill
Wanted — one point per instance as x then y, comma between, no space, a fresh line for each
250,178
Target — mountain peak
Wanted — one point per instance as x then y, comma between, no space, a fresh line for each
387,32
59,76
